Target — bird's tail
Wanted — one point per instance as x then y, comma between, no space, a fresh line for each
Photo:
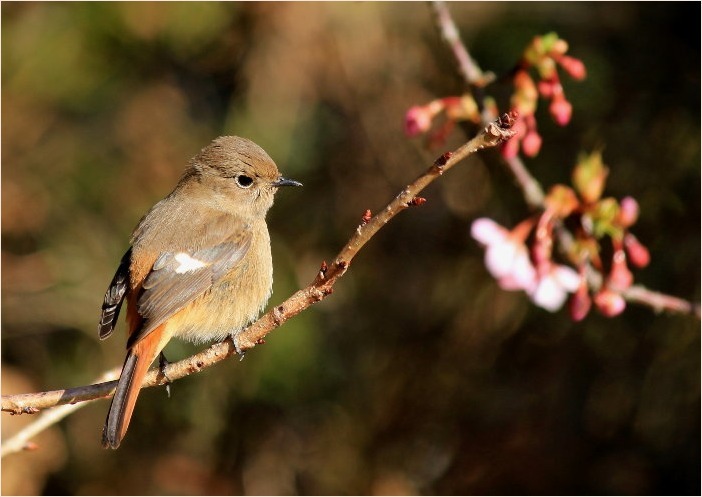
136,365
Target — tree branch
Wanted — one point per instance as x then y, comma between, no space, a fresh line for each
660,301
20,441
469,69
492,135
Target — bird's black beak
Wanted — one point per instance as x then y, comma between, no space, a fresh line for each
286,182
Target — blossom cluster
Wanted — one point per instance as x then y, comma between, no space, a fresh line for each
419,118
596,261
544,54
522,258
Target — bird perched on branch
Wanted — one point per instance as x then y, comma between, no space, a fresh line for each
199,266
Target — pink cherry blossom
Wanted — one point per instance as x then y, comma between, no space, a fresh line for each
554,283
419,117
506,255
417,120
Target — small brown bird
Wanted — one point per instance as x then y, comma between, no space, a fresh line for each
199,266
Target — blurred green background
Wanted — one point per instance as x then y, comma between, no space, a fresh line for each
418,375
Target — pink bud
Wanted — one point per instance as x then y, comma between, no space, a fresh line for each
609,302
531,144
519,126
546,88
510,148
637,252
560,110
574,67
628,211
620,278
580,302
417,120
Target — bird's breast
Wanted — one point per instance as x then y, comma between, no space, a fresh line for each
233,301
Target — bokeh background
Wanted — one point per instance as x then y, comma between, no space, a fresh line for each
418,375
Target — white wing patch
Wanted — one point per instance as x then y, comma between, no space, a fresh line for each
187,263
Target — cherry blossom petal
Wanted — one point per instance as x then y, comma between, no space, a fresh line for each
500,257
567,277
487,231
549,294
523,271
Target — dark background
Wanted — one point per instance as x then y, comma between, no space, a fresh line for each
418,375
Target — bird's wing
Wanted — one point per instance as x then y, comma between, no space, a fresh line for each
114,297
179,276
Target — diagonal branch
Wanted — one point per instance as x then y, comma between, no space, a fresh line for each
492,135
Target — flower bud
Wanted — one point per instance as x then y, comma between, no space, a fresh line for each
510,148
417,120
546,88
531,144
589,177
620,278
628,211
609,303
561,110
580,302
637,252
574,67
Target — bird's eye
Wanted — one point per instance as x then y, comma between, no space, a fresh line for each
244,181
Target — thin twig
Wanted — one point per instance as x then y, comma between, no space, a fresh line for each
530,187
469,69
660,301
20,441
492,135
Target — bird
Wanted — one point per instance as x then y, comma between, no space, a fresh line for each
199,265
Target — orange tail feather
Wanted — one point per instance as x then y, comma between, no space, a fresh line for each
136,365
